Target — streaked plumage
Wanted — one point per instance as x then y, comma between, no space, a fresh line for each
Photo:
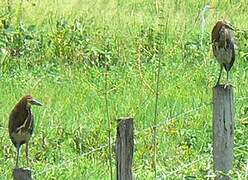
21,123
223,46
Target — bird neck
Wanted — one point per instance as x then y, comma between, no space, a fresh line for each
22,107
222,41
222,44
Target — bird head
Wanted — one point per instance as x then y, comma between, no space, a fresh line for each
29,100
221,29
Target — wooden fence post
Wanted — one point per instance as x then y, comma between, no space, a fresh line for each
22,174
124,149
223,130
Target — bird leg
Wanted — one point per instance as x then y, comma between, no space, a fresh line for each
17,154
227,76
27,158
218,81
227,79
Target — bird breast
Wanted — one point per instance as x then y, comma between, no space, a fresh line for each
223,55
21,137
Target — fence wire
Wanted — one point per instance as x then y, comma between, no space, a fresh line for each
183,167
72,161
162,123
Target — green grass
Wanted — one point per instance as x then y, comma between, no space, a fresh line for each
63,66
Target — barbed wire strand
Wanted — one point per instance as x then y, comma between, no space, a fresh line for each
169,119
184,166
101,147
67,162
191,163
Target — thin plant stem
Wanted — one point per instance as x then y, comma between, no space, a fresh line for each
109,123
155,118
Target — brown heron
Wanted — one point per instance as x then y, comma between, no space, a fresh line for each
223,46
21,124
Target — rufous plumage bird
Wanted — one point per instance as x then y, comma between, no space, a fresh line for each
21,124
223,46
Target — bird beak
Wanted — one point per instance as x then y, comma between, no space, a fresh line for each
35,102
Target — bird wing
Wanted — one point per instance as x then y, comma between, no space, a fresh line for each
231,47
215,37
214,47
27,125
12,121
215,32
19,121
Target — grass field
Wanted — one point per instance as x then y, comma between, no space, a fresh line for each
60,52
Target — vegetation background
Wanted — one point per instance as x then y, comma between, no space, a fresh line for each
85,58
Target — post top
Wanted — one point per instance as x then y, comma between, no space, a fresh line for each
124,118
223,86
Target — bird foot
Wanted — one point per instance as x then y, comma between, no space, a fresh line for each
228,84
22,168
217,84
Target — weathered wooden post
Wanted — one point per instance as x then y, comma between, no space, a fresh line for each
223,130
124,149
22,174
